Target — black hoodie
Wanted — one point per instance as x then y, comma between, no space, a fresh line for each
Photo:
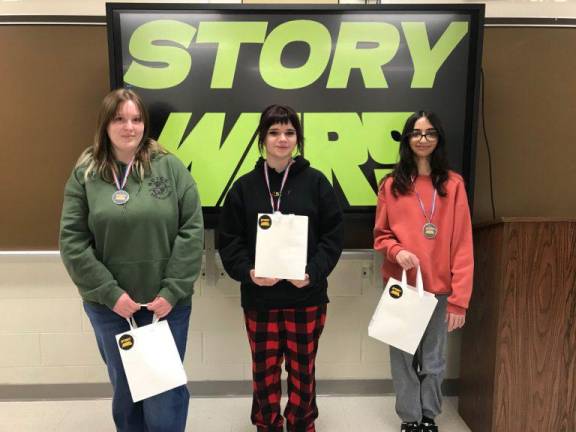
308,193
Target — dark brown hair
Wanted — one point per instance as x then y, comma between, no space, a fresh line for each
282,114
406,167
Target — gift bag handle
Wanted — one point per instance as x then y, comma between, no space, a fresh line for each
134,326
132,323
419,283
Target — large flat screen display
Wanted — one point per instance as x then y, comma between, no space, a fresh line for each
353,73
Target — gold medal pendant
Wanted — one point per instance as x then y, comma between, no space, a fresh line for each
429,230
120,197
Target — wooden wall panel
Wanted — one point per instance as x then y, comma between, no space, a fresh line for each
509,350
568,362
478,346
532,332
530,352
53,80
530,110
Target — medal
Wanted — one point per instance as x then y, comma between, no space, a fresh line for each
429,230
120,196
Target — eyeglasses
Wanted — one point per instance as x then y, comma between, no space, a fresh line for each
431,135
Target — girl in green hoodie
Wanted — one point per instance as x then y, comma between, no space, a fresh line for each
131,238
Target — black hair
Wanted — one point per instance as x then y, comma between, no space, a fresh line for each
406,167
282,114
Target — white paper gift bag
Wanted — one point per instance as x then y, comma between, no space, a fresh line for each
150,358
281,246
402,314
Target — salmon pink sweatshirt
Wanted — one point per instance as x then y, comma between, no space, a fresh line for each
446,261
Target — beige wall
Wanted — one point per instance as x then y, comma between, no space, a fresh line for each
46,337
494,8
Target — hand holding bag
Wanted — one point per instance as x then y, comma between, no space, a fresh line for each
402,314
151,360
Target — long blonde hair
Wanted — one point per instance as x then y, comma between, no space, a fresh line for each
99,157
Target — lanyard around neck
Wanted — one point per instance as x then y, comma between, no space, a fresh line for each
428,219
120,186
277,207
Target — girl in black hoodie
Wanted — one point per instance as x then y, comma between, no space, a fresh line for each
284,318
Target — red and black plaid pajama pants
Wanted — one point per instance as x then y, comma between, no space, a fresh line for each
291,335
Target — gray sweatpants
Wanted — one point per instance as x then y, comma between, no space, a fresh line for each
417,378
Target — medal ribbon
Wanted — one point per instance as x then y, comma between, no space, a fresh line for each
277,207
428,219
126,174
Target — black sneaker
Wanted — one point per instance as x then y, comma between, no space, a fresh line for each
428,427
409,427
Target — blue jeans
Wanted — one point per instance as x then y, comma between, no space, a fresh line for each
165,412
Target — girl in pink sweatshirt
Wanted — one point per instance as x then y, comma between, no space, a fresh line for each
423,219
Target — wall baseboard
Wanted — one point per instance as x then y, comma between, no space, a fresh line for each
200,389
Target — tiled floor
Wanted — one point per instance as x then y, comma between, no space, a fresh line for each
337,414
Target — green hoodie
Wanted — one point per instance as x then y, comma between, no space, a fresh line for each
151,246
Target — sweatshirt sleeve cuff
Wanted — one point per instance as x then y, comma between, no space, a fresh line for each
312,276
457,310
245,278
393,251
112,297
170,298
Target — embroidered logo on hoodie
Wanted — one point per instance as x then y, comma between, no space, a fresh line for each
160,187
